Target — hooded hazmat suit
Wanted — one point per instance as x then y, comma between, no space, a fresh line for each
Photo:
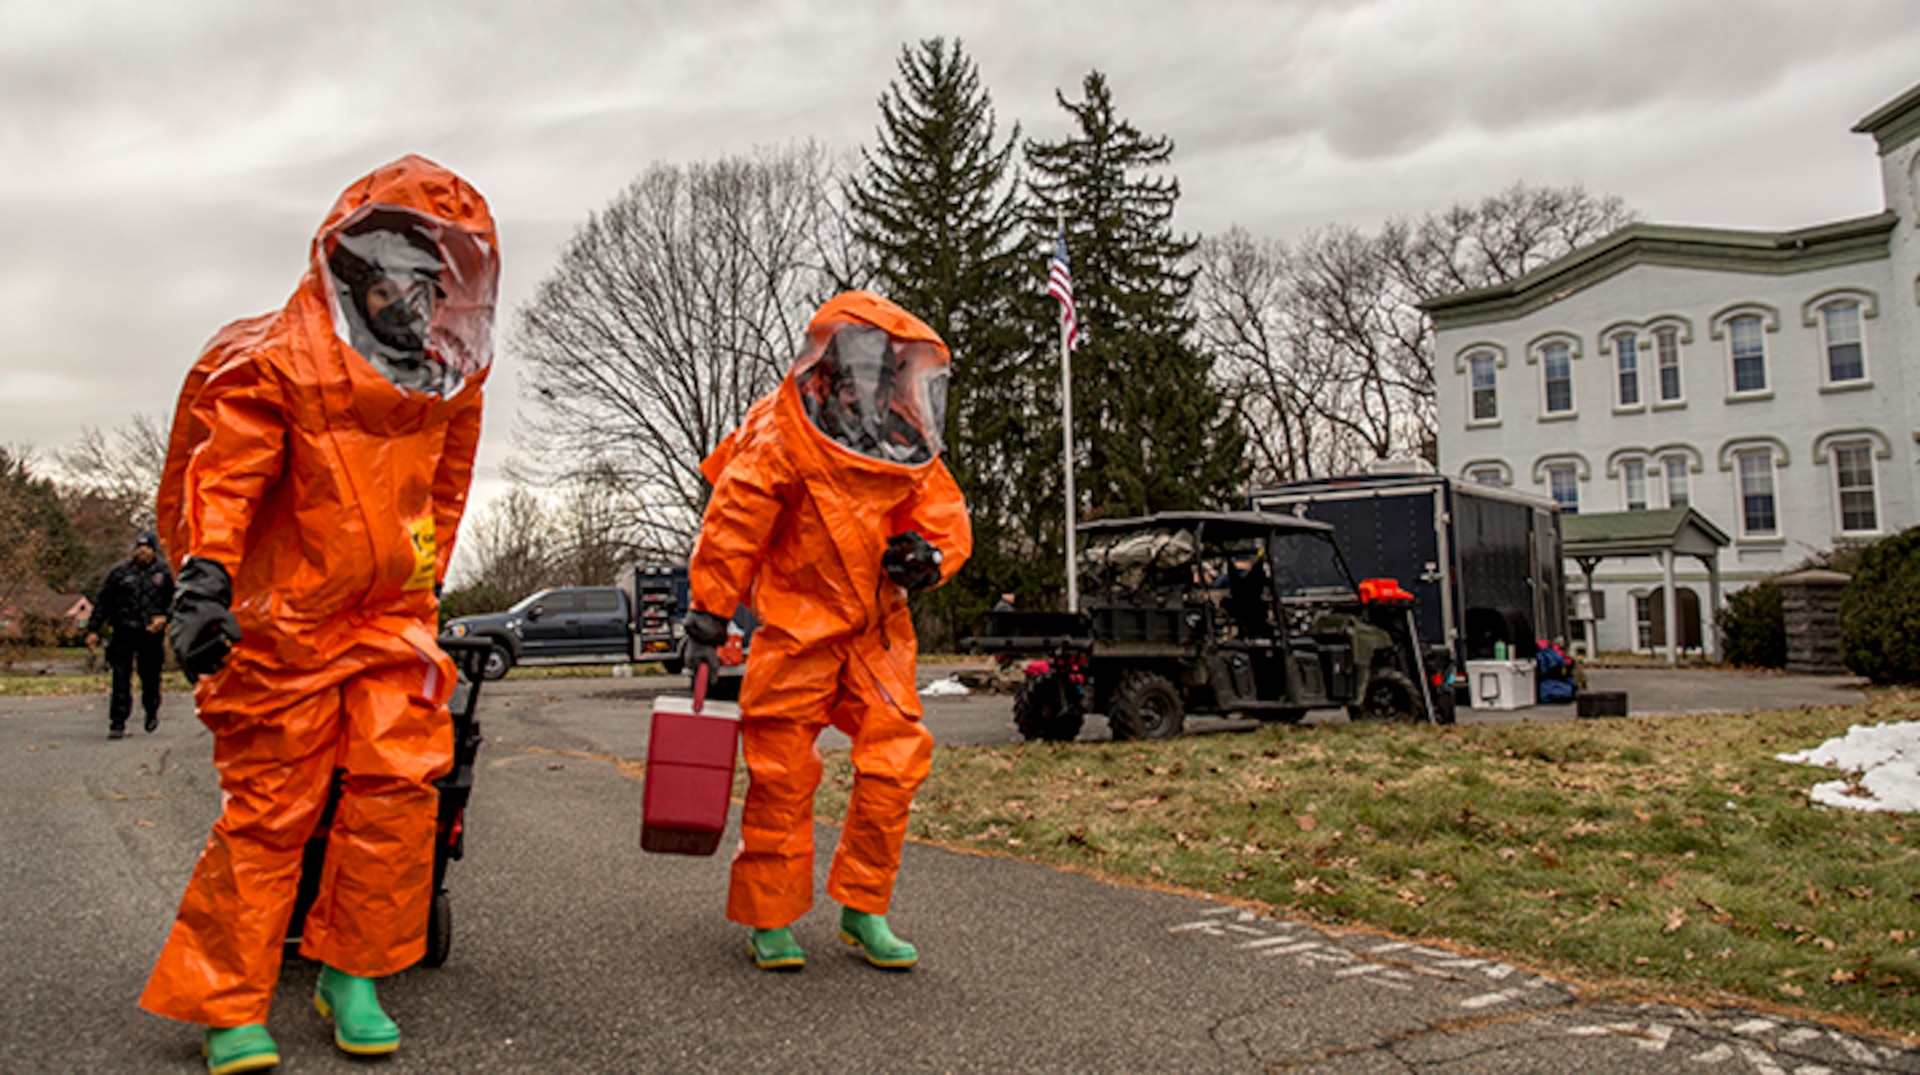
328,484
806,494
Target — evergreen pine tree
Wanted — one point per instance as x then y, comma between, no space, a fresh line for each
1151,430
935,206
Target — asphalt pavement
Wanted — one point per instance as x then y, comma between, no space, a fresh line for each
575,951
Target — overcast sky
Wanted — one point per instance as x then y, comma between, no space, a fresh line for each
163,165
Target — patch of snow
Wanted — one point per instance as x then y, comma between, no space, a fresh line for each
944,688
1887,757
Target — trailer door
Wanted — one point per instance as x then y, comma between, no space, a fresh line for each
1385,533
1549,574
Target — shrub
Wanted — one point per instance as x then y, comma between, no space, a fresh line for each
1753,631
1880,612
475,599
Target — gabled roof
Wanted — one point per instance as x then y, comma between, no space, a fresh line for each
1724,249
1639,533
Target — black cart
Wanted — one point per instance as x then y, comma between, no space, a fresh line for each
470,657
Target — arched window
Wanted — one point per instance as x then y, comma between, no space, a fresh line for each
1842,341
1484,390
1747,349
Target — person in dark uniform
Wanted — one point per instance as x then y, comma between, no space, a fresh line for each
133,606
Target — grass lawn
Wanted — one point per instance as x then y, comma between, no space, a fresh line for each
1671,856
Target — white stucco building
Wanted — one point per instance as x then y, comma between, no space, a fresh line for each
1769,380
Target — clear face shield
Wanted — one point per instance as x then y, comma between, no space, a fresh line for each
414,295
881,397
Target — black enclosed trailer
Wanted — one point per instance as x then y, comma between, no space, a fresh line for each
1483,562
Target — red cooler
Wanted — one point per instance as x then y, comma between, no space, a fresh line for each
689,784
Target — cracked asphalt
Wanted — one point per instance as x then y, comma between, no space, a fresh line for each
575,951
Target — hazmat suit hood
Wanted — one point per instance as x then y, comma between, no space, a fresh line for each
872,379
409,267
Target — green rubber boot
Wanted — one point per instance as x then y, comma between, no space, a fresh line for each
870,934
775,949
234,1049
360,1027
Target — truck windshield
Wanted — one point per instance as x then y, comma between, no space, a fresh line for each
1309,566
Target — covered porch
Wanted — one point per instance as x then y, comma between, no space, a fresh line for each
1664,535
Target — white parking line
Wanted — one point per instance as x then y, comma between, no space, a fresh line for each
1855,1049
1268,942
1488,1000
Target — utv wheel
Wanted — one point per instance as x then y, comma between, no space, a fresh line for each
673,666
499,663
1041,713
1145,706
439,931
1391,697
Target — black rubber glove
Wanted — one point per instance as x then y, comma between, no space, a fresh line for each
911,561
706,633
202,630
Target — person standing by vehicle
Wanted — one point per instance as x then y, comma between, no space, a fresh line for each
132,605
830,506
316,476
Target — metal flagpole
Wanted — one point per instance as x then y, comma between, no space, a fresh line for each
1066,434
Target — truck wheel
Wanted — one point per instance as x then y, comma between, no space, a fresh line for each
1041,713
1390,697
499,663
1145,705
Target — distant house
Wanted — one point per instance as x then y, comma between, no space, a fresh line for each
71,607
1767,380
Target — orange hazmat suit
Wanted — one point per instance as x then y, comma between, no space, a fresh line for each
797,526
331,496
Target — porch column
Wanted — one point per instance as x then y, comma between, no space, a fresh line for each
1667,598
1712,632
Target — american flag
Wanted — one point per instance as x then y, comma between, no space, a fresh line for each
1060,286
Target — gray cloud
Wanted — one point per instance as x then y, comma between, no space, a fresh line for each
163,166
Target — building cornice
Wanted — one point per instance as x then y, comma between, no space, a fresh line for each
1843,242
1895,123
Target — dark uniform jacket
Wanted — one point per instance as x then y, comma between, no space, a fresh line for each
132,596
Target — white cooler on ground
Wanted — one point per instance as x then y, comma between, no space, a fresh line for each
1500,684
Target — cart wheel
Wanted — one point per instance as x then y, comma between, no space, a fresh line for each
1390,697
1041,713
439,931
1145,706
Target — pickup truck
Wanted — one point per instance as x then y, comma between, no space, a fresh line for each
584,624
636,621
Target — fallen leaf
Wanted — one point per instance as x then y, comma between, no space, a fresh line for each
1410,897
1119,808
552,765
1582,828
1900,936
1307,822
1792,990
1675,919
1507,854
144,823
1843,977
1860,892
